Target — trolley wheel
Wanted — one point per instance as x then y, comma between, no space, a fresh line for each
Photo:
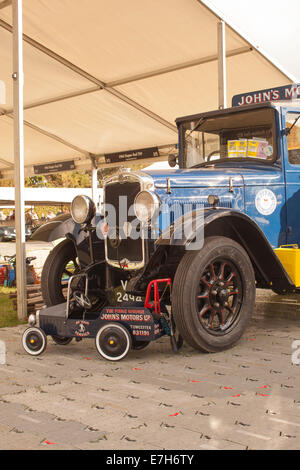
34,341
138,345
61,340
113,341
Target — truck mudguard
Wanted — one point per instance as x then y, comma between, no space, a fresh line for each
191,230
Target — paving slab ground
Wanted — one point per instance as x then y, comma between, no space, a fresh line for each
244,398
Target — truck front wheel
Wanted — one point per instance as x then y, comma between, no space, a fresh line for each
60,264
213,294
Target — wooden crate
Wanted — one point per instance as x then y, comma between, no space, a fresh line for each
34,298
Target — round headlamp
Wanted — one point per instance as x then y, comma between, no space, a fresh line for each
82,209
146,205
31,319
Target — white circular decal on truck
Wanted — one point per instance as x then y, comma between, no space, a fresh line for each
265,202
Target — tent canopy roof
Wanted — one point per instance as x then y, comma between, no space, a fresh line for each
102,77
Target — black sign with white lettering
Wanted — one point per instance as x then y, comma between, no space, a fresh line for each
131,155
54,167
282,93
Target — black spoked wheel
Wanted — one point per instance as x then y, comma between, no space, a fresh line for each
61,341
59,266
219,296
34,341
113,341
213,295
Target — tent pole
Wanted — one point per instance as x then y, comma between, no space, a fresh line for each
222,65
94,179
95,185
19,158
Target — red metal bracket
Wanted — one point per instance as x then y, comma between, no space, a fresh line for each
155,283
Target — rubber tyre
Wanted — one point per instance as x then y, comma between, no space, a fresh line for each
184,292
139,345
40,335
53,270
124,334
61,341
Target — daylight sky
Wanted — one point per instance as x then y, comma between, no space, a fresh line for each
274,25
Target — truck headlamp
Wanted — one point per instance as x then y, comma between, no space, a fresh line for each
146,204
31,319
82,209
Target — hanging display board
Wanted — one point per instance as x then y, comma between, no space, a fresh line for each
282,93
54,167
138,154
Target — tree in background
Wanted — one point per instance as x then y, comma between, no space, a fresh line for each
68,179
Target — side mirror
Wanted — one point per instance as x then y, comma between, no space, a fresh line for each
172,160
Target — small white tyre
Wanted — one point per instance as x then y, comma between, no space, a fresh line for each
34,341
113,341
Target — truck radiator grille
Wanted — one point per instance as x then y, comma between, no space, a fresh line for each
126,248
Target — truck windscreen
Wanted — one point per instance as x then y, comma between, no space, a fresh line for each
248,134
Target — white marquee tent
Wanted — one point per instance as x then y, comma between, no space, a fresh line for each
104,77
108,76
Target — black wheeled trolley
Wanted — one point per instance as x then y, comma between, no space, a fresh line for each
115,329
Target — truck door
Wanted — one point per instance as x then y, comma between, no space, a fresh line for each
291,147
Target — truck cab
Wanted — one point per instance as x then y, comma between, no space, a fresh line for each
250,160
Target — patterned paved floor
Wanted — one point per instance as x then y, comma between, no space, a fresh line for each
244,398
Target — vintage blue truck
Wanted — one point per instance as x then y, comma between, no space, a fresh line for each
208,230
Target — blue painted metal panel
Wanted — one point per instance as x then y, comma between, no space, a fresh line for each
272,224
192,188
181,201
292,172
